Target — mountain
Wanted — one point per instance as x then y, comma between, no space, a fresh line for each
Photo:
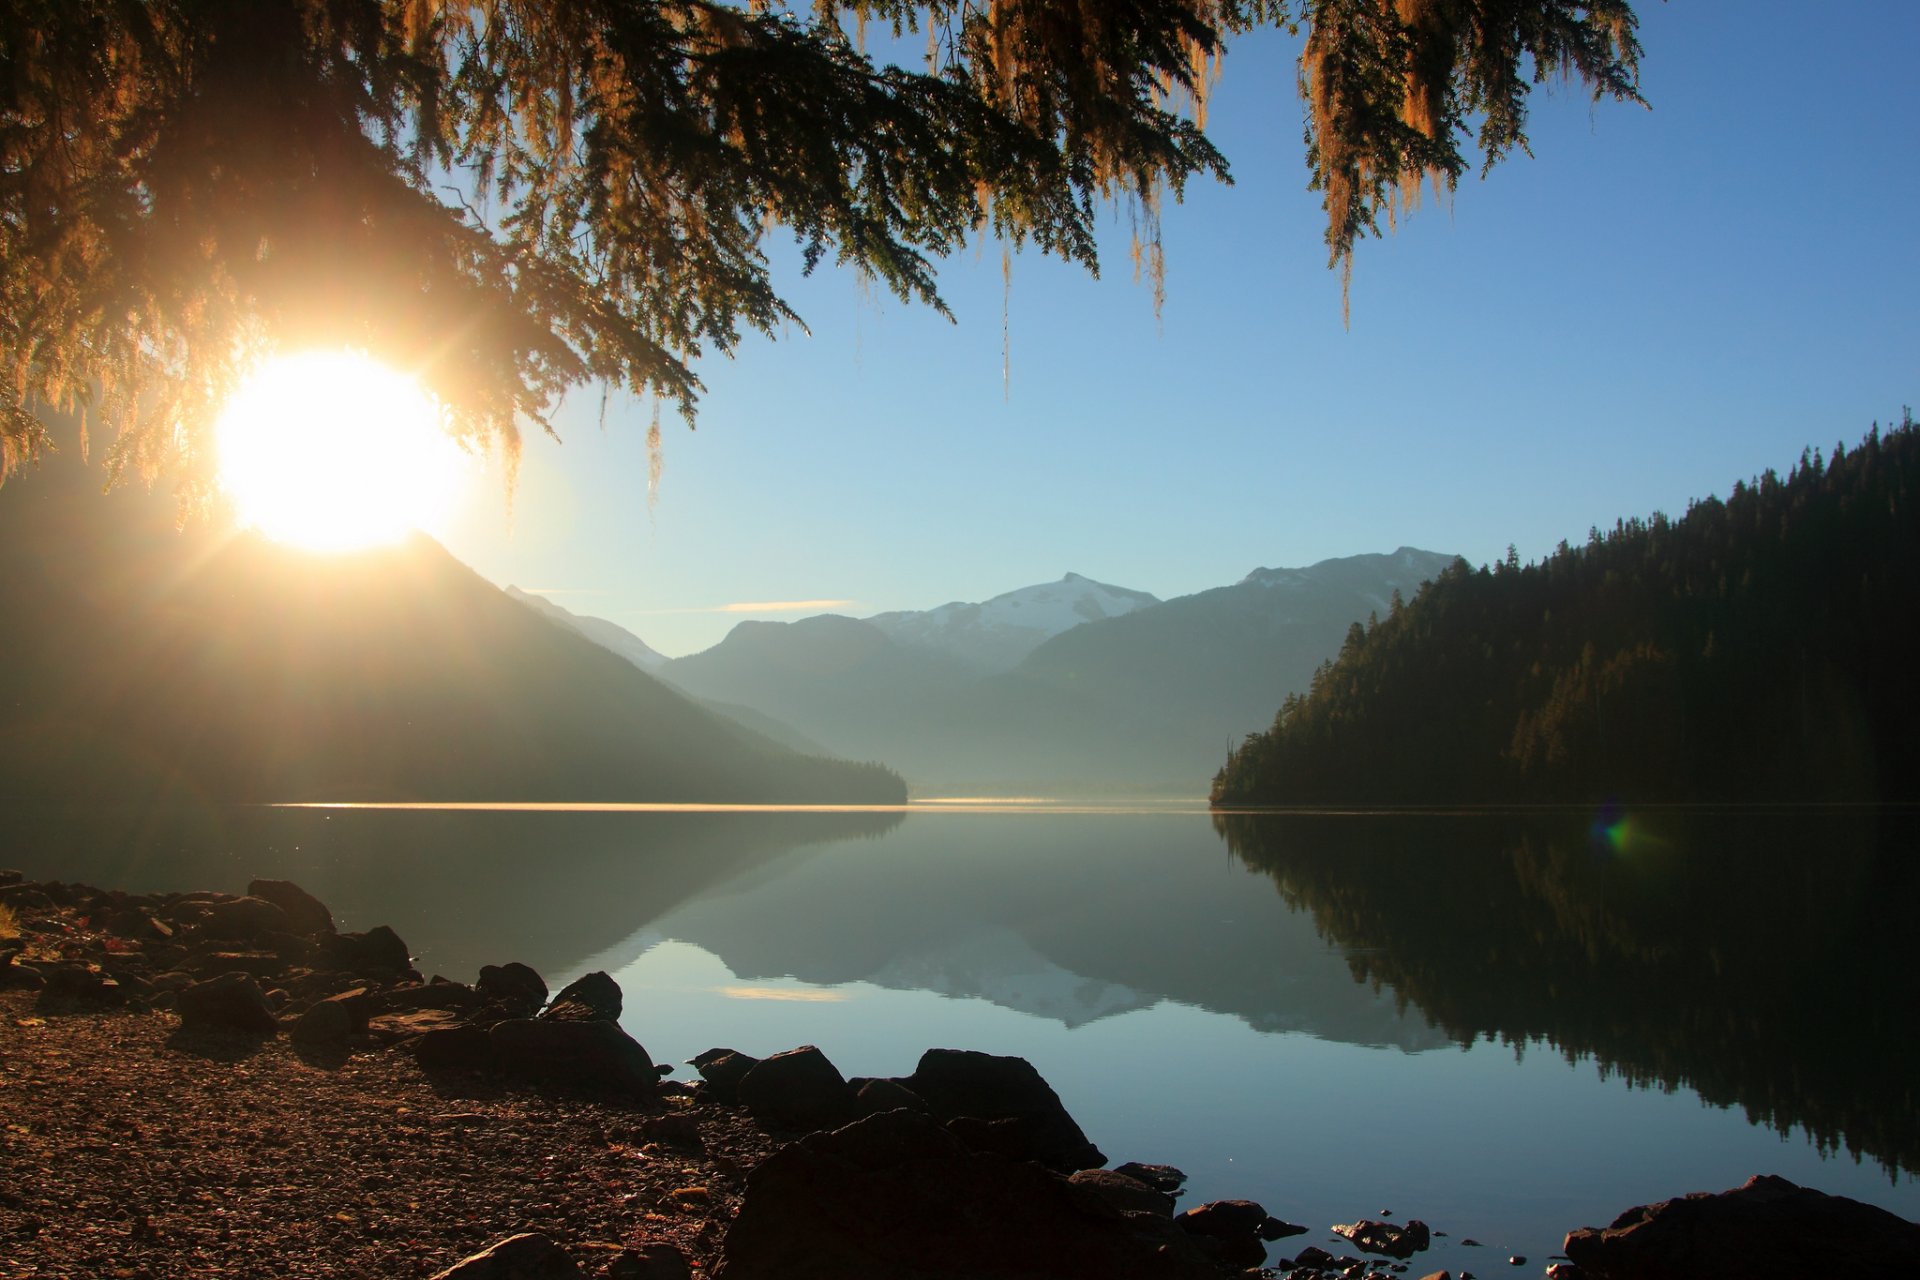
994,635
1144,700
610,636
146,661
1751,650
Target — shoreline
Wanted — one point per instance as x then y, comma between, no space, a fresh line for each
368,1122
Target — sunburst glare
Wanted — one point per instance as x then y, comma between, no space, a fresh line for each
333,451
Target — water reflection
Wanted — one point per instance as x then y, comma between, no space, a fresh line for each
1761,960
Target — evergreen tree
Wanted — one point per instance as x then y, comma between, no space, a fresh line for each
520,196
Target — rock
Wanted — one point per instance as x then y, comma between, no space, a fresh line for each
243,919
1275,1229
1128,1195
453,997
528,1256
962,1082
392,1028
465,1049
81,984
305,913
870,1097
11,877
1161,1177
513,986
328,1022
377,951
1767,1229
799,1088
1387,1238
1517,1260
598,1057
26,897
896,1196
1312,1258
1437,1275
723,1070
1230,1228
592,998
648,1262
230,1002
1564,1271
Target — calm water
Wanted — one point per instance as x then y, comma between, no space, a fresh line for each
1508,1027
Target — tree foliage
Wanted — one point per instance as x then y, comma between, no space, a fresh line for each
1748,651
516,197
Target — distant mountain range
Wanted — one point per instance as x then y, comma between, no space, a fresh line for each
1073,685
145,662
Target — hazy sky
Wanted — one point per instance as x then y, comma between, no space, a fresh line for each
1658,304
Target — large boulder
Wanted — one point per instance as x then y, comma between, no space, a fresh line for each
1387,1238
1766,1229
800,1088
1023,1115
306,914
378,951
230,1002
528,1256
897,1197
594,997
596,1057
1229,1230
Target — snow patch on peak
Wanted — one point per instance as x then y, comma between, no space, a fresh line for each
995,634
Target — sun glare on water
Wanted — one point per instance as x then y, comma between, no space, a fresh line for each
332,451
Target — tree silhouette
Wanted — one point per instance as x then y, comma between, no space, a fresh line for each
516,197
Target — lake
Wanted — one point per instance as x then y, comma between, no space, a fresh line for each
1506,1025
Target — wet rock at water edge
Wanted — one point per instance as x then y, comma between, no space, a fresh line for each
230,1002
592,998
513,986
1387,1238
1229,1229
963,1083
243,919
723,1070
529,1256
896,1195
379,951
1766,1229
800,1088
1161,1177
305,913
871,1097
1129,1195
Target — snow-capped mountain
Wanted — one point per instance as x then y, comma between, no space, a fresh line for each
994,635
608,635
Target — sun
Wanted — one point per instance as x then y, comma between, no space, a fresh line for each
333,451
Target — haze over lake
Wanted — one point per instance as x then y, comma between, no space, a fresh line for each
1487,1022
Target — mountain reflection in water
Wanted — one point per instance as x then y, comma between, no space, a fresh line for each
1761,959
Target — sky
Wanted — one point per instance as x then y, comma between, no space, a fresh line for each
1656,304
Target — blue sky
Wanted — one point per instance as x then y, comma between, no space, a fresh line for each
1660,302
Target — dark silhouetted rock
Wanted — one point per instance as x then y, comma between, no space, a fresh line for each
592,998
78,983
896,1196
243,919
513,986
306,914
453,997
1313,1258
871,1097
465,1049
1129,1195
1767,1229
523,1257
378,951
799,1088
962,1082
230,1002
11,877
723,1070
326,1022
1229,1230
1277,1229
597,1057
648,1262
1387,1238
1161,1177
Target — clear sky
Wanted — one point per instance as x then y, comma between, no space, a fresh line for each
1659,303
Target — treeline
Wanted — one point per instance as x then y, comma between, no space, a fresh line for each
1754,649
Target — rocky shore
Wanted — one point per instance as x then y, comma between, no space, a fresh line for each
208,1084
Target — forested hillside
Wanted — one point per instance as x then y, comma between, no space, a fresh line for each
1754,649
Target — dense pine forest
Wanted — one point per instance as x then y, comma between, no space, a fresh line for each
1755,649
